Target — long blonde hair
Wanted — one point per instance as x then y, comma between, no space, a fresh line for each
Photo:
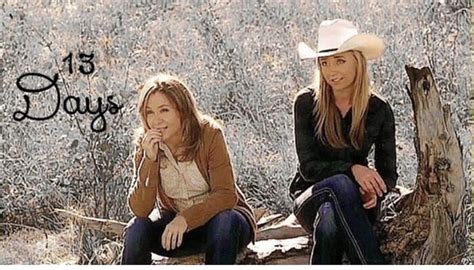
180,95
327,116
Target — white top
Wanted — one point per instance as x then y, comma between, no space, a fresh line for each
182,181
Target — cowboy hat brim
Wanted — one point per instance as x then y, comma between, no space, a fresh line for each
371,47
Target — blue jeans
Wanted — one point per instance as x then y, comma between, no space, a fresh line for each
221,238
332,210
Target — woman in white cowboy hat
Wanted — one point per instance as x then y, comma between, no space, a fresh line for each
336,194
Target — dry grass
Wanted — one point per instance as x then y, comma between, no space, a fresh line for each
28,246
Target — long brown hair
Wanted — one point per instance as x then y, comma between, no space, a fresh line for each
180,95
327,116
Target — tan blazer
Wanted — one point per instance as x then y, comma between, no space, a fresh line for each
214,163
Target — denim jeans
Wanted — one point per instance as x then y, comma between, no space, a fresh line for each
332,210
221,238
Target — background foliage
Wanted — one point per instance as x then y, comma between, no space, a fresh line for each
238,57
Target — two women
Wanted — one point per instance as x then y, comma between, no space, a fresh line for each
182,162
336,194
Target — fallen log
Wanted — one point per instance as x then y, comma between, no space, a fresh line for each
268,220
282,243
273,251
99,224
289,228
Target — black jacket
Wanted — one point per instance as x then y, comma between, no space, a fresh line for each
318,161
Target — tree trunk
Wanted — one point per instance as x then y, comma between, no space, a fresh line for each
431,225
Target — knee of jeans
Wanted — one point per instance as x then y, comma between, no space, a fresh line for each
225,222
344,187
137,229
326,227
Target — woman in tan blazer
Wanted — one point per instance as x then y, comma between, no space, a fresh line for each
182,163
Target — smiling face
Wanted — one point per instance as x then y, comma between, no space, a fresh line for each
163,115
339,70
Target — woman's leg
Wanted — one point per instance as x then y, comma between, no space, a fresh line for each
327,248
227,233
141,236
343,194
221,238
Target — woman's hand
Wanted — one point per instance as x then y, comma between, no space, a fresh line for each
173,235
369,200
150,143
369,180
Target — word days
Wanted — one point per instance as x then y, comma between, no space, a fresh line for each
70,104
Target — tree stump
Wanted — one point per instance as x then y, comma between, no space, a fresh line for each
430,226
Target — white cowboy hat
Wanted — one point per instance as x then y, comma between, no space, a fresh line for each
336,36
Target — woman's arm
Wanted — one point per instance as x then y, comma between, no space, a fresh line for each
142,195
222,185
313,167
385,150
